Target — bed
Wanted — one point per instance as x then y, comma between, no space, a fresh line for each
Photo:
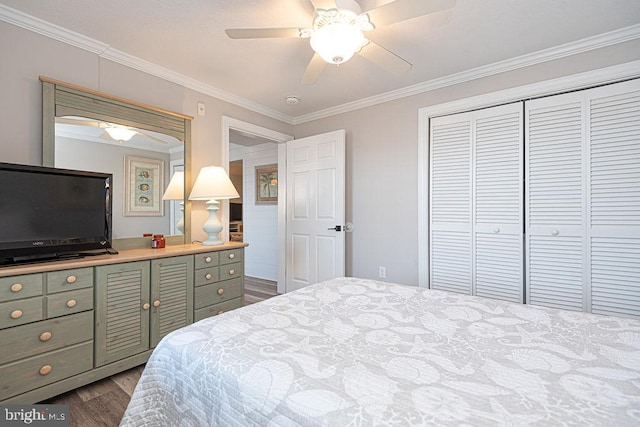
356,352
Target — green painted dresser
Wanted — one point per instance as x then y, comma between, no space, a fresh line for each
65,324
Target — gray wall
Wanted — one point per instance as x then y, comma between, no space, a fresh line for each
260,222
382,140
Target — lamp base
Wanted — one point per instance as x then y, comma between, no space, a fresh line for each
212,226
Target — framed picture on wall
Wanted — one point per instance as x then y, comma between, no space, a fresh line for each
267,185
143,186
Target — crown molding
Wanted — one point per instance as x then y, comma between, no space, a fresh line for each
568,49
55,32
36,25
134,62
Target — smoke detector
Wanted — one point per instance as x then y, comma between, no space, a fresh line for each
292,100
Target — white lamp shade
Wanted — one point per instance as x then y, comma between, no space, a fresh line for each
213,183
336,43
175,189
120,133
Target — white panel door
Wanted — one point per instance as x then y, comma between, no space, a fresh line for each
315,209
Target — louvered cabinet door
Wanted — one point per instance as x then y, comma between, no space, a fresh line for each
497,203
450,204
554,211
122,321
171,295
614,202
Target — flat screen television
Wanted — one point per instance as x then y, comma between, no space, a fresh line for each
48,213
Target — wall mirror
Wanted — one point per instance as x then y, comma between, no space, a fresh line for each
80,131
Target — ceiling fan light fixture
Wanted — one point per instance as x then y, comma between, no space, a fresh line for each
337,42
120,133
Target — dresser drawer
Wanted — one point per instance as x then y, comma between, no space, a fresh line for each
214,310
71,302
37,371
207,275
14,313
68,280
218,292
47,335
230,256
207,259
230,271
16,287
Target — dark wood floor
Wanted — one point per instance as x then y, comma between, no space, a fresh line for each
103,403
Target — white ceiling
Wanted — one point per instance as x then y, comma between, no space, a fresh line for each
187,37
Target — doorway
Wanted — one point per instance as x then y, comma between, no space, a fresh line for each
236,133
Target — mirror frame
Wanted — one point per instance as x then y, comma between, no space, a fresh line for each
65,99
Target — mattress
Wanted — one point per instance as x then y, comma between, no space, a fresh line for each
356,352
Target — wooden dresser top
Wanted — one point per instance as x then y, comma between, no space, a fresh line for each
128,255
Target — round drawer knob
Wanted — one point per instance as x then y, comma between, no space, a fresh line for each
232,271
71,303
45,336
156,303
221,311
555,232
208,276
72,279
45,370
496,230
220,291
232,256
16,314
16,287
207,259
146,306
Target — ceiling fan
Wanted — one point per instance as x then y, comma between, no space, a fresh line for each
337,32
112,131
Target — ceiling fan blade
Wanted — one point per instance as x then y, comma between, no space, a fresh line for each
314,69
401,10
77,121
323,4
384,58
146,135
262,33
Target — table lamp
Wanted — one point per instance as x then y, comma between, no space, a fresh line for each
213,184
175,191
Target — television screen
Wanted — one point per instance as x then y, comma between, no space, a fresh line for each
48,212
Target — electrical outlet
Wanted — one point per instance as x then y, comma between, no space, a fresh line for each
382,272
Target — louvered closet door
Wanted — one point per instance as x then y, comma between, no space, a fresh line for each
583,200
497,207
476,203
614,202
450,203
554,201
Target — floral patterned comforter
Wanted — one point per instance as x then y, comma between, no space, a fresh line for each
356,352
